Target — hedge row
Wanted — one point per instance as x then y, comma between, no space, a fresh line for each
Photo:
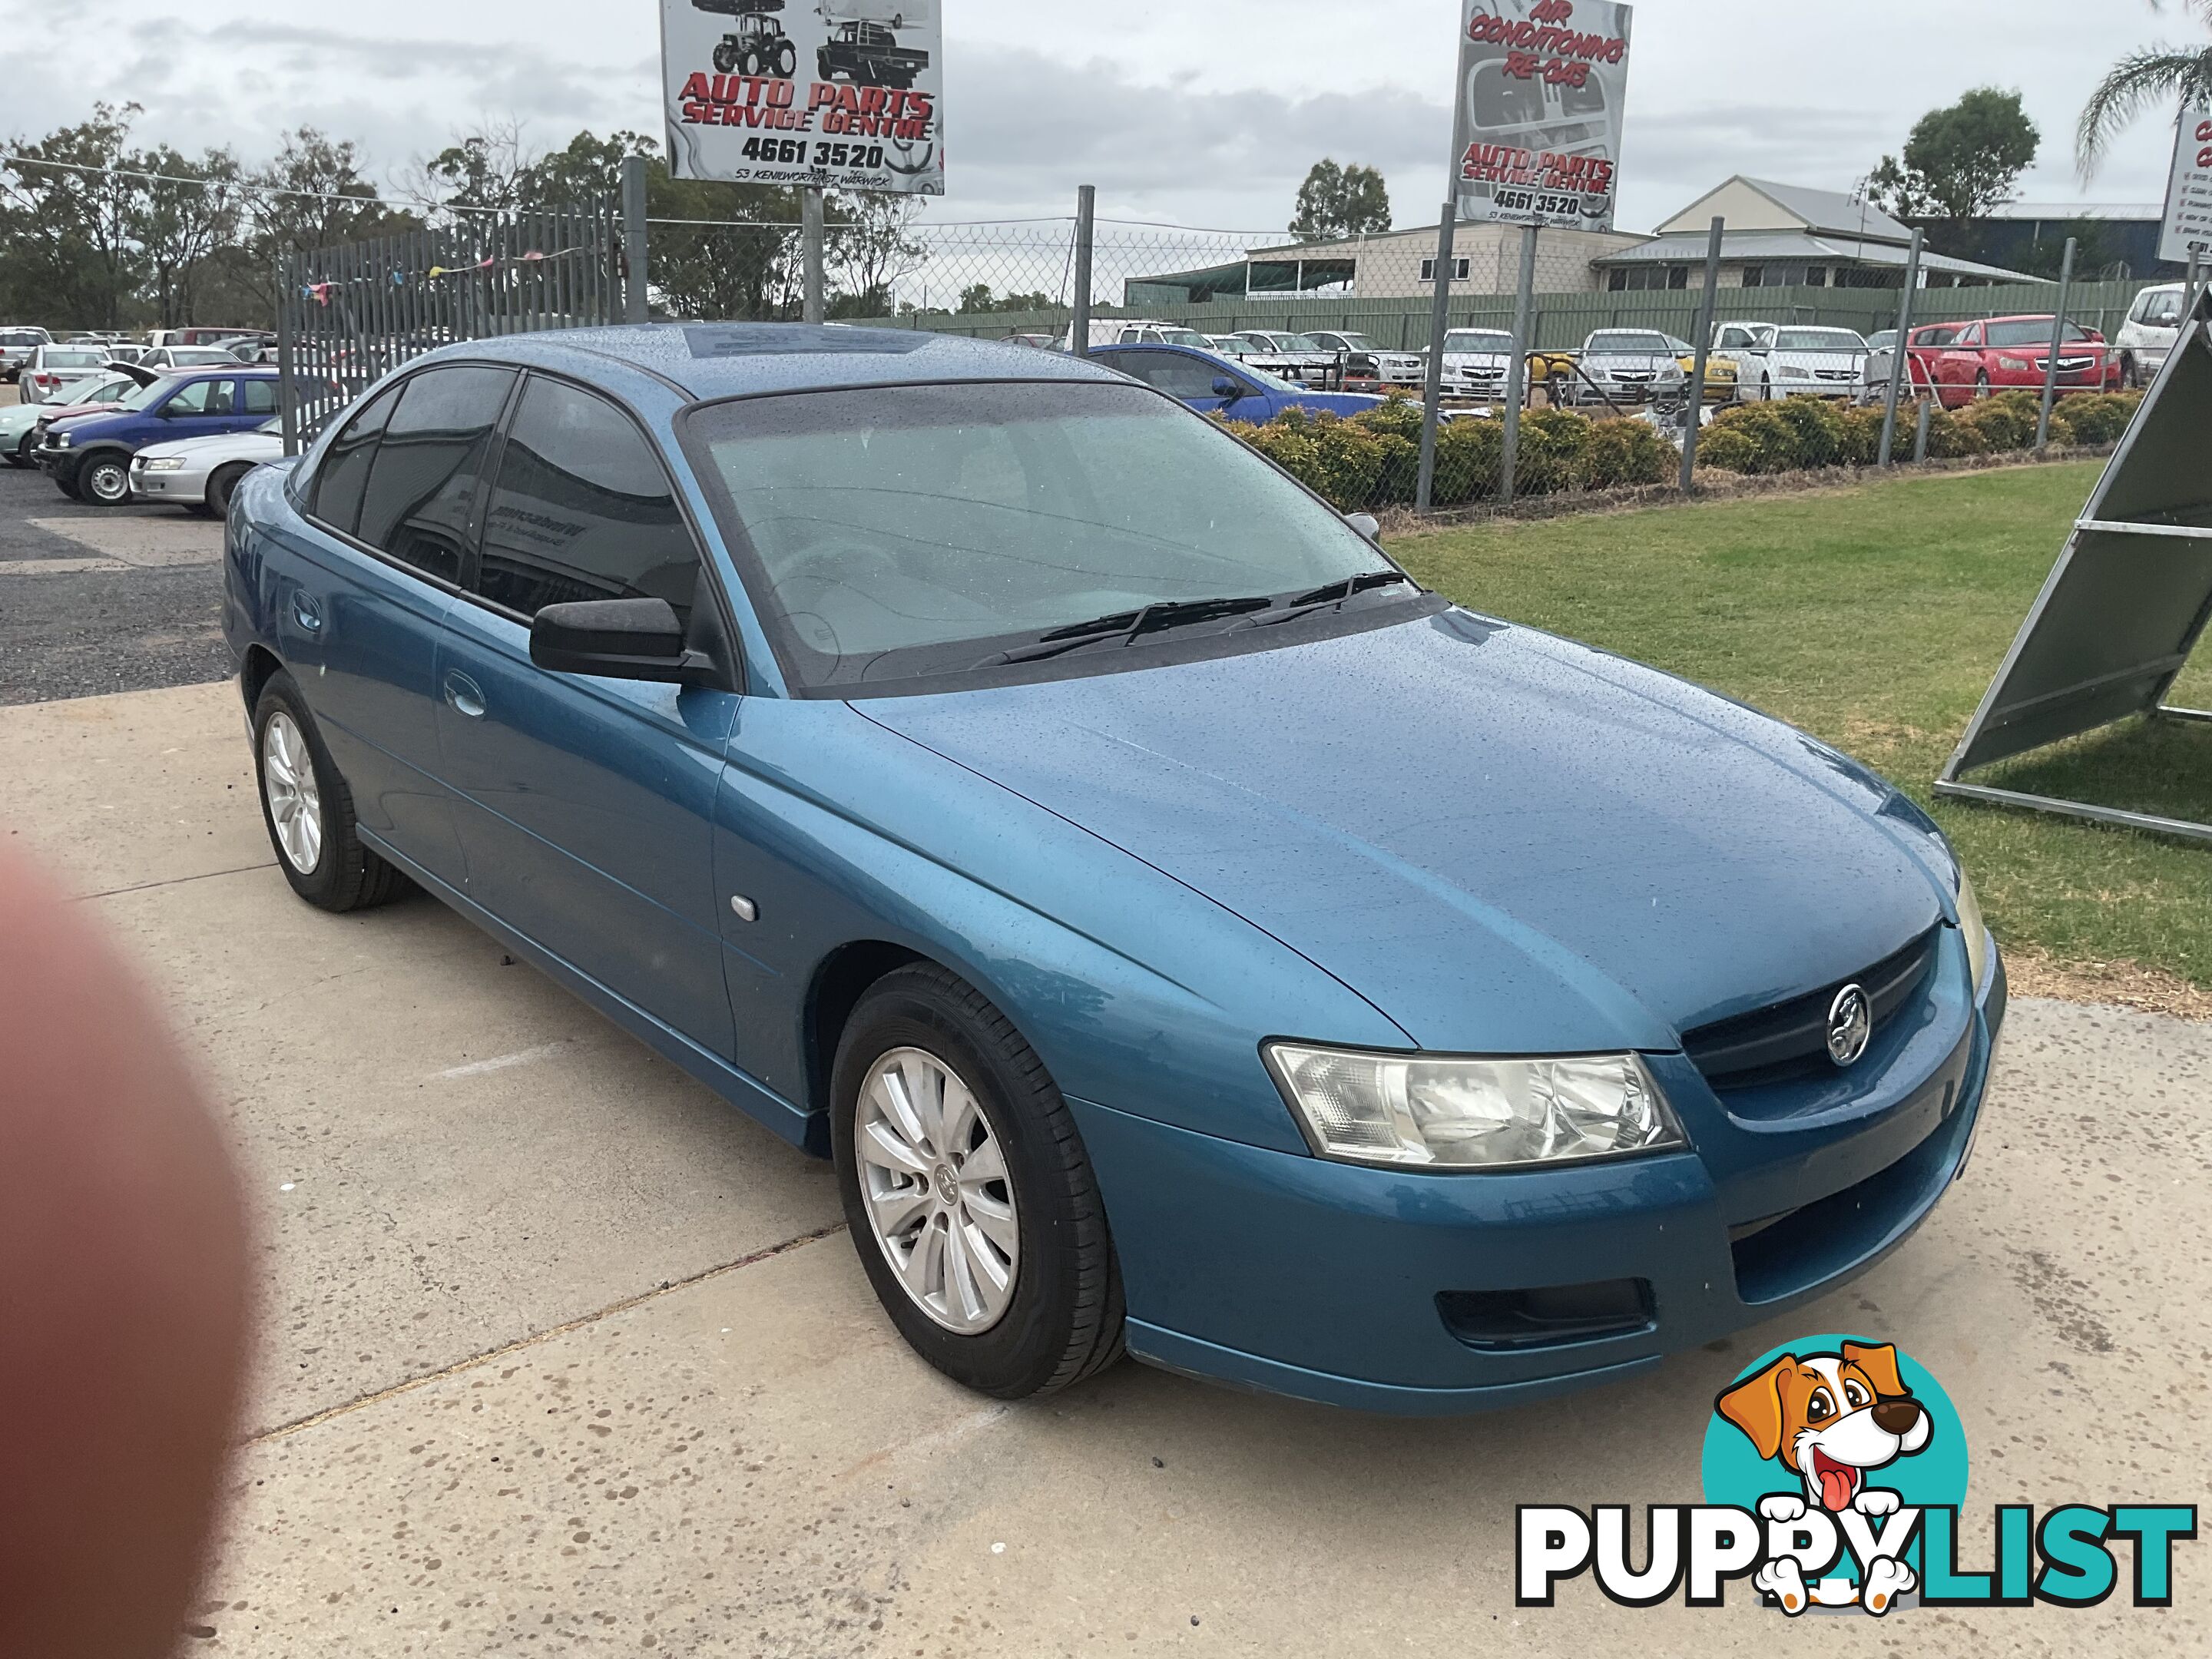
1372,459
1806,433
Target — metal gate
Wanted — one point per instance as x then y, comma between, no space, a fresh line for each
348,315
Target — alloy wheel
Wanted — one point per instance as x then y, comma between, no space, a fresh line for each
939,1201
295,800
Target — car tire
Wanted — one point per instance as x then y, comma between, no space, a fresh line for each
221,487
104,479
1057,1317
308,811
20,455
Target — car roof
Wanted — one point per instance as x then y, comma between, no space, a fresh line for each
707,361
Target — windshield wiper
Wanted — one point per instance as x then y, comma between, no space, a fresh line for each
1335,593
1127,626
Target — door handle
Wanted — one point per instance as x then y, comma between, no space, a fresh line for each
306,613
466,696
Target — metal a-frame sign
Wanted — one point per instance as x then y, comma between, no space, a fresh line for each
2124,606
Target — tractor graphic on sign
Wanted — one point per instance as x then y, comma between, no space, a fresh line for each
758,45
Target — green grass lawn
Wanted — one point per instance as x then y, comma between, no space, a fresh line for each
1875,617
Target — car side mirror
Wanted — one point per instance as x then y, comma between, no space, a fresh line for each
1367,524
618,640
1225,387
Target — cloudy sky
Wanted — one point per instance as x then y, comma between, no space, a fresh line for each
1202,115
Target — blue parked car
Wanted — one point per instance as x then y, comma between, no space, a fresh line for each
88,456
1214,384
1185,933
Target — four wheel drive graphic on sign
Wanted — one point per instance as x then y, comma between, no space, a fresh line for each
862,45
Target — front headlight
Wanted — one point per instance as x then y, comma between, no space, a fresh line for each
1976,930
58,439
1440,1112
165,464
1791,372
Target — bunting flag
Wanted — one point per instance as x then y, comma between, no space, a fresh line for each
320,293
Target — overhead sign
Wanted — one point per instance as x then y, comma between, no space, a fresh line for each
841,94
1543,85
2188,191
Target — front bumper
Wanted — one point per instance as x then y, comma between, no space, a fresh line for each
188,486
1341,1285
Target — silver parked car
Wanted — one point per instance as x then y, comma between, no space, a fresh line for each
16,345
50,367
1629,365
199,474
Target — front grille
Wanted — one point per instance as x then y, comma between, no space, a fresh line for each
1790,1039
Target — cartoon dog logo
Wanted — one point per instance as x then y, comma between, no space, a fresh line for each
1830,1419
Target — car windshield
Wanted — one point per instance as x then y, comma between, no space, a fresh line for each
926,530
2029,331
1628,344
1466,340
1819,339
1358,342
1183,337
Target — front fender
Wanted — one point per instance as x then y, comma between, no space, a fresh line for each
1135,990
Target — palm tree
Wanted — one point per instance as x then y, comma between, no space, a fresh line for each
2139,79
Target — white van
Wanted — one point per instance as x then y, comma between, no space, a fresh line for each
2147,337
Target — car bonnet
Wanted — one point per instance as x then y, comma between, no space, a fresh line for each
1505,841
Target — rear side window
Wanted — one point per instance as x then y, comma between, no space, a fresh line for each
429,465
583,511
259,398
344,474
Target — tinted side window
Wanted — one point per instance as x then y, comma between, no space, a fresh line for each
583,511
1177,376
197,399
422,486
345,472
260,396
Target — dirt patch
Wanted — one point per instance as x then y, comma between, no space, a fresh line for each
2034,973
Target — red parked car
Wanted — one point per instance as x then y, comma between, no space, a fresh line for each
2006,352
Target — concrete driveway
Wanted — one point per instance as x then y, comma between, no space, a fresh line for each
560,1355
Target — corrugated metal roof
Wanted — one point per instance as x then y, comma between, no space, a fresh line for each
1832,212
1742,247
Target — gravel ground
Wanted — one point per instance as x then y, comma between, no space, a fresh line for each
70,631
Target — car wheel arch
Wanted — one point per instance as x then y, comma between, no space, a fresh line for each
255,671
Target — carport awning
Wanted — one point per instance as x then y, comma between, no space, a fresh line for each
1275,274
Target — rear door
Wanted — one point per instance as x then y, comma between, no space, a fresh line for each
586,805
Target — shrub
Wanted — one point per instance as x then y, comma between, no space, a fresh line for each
1623,453
1753,438
1470,453
2101,417
1399,415
1860,443
1950,439
1818,426
1554,448
2004,423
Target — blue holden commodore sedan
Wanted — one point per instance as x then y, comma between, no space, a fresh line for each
1186,935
